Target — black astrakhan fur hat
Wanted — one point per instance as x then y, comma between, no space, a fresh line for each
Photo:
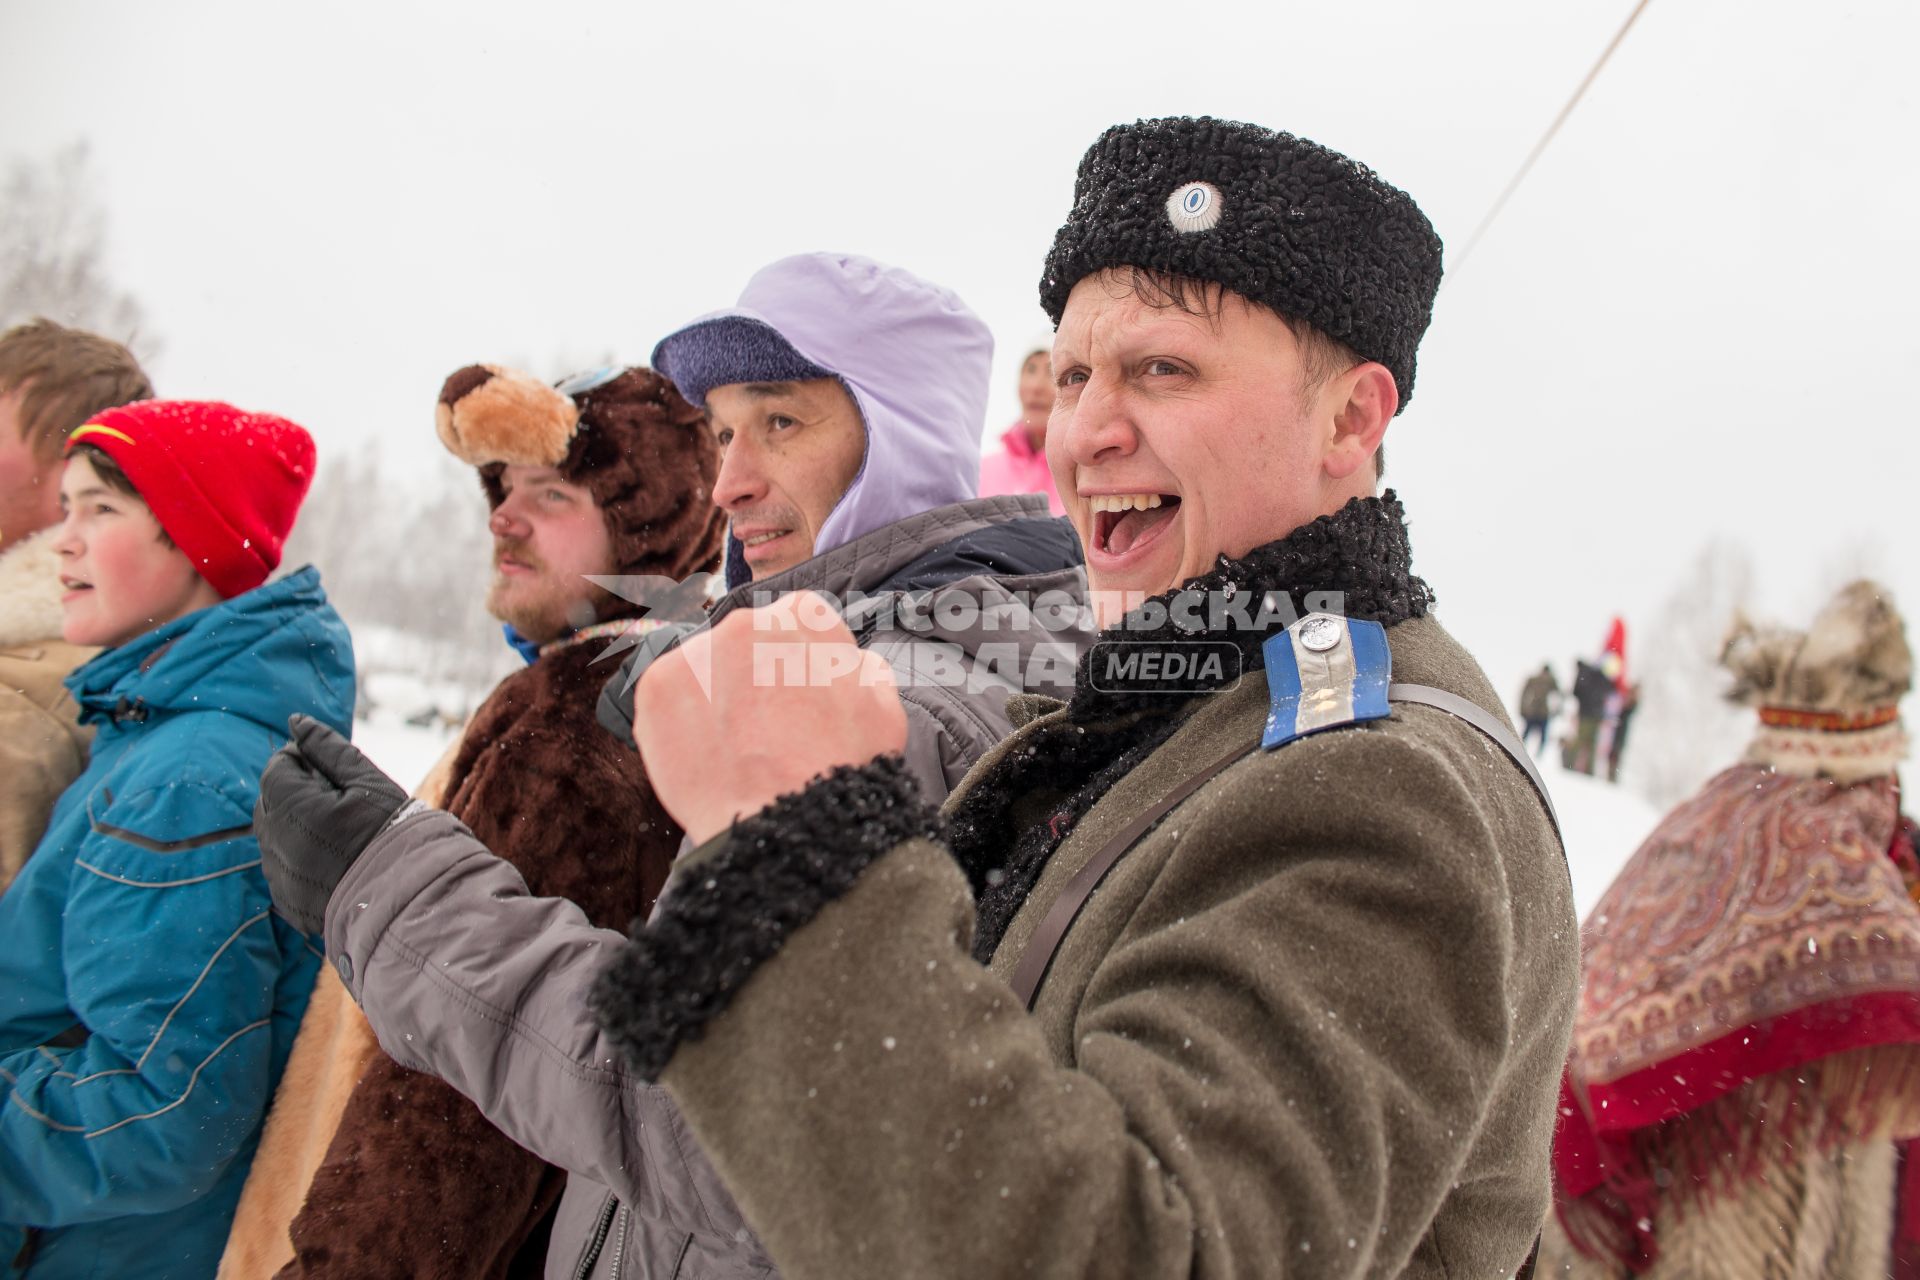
1277,219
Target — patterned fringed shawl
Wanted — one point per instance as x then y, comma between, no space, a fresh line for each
1753,987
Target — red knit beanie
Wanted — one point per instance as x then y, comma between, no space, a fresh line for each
224,483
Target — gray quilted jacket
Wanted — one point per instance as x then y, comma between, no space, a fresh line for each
465,976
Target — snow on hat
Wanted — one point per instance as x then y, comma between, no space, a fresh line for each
623,434
1272,217
225,484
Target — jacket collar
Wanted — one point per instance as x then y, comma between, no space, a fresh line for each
30,591
1359,555
867,562
1070,761
261,655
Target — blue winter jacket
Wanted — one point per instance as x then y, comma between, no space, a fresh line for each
148,996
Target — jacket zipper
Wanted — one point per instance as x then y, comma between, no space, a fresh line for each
619,1242
598,1240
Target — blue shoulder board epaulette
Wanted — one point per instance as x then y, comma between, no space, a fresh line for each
1323,672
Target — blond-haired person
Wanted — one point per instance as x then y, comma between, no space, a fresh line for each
52,379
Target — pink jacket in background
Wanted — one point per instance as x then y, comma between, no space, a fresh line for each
1018,468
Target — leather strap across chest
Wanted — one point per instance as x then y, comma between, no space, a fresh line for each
1039,953
1346,682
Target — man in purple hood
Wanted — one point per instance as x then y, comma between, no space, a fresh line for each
848,398
891,367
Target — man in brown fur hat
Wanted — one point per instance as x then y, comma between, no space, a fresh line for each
608,475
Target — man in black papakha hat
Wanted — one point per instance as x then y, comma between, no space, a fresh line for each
1255,957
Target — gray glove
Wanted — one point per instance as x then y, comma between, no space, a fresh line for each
321,804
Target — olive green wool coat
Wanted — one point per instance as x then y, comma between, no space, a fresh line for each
1312,1025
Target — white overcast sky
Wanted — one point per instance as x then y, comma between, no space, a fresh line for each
1694,321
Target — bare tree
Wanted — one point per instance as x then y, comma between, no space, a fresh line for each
405,560
53,238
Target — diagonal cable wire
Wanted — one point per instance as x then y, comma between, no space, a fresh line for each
1540,147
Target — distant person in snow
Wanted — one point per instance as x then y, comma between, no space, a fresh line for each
1019,465
609,476
846,399
1312,1022
52,379
148,994
1624,705
1592,687
1539,699
1746,1060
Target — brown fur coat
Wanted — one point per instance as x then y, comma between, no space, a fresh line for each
415,1182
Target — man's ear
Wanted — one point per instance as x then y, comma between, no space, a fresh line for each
1364,400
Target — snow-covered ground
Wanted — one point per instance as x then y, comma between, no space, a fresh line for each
1602,824
409,711
404,751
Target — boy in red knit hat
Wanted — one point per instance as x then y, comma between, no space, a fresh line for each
151,995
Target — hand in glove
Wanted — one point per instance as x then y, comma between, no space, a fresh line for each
321,803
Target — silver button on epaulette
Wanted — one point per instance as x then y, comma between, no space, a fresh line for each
1320,632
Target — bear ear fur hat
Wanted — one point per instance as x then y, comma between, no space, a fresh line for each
625,435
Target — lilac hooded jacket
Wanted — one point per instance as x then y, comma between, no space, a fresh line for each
914,357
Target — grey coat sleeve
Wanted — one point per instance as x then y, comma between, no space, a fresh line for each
466,976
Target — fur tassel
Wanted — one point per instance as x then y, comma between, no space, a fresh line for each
1716,1151
1853,657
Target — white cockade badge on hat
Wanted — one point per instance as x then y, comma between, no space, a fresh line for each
1194,207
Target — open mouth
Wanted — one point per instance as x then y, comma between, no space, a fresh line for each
73,587
1123,522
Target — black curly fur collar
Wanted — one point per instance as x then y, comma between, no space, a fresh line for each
1012,820
681,969
1359,553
